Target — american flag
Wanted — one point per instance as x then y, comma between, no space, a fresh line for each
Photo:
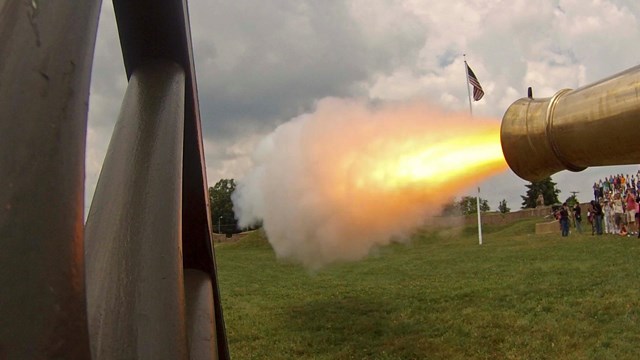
473,80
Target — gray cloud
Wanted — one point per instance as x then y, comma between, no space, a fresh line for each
265,62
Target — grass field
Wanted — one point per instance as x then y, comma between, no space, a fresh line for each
518,296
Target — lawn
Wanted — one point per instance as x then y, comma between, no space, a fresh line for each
443,296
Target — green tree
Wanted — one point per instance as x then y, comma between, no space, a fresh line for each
502,207
572,200
222,215
452,208
469,205
546,187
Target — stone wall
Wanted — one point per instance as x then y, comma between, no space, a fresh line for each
489,218
497,218
220,238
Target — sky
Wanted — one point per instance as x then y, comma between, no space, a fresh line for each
261,63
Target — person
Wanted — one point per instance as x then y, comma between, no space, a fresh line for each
618,211
630,201
597,216
577,214
638,212
564,220
609,223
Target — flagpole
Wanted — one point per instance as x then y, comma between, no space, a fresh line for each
466,72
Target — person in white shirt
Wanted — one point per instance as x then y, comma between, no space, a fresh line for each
618,212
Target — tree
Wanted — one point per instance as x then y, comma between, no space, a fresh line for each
469,205
502,207
572,200
452,208
465,206
546,187
222,207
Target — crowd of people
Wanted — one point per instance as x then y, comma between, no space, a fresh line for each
613,210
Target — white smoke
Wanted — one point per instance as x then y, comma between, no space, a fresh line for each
322,187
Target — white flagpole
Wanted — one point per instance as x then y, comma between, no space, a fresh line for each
479,220
466,72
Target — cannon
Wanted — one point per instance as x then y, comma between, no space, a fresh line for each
595,125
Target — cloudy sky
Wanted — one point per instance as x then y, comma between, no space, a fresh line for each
261,63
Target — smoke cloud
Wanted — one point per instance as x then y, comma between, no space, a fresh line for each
335,184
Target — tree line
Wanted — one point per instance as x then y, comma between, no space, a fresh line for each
544,190
224,220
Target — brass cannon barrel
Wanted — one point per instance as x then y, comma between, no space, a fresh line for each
595,125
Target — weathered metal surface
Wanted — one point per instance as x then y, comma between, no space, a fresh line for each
201,330
135,283
46,52
151,29
572,130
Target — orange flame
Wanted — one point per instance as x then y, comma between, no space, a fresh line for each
470,156
403,173
435,160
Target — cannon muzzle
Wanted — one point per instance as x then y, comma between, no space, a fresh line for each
595,125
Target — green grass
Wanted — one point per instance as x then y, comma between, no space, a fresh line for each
518,296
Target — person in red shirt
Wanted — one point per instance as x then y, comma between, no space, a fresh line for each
630,210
